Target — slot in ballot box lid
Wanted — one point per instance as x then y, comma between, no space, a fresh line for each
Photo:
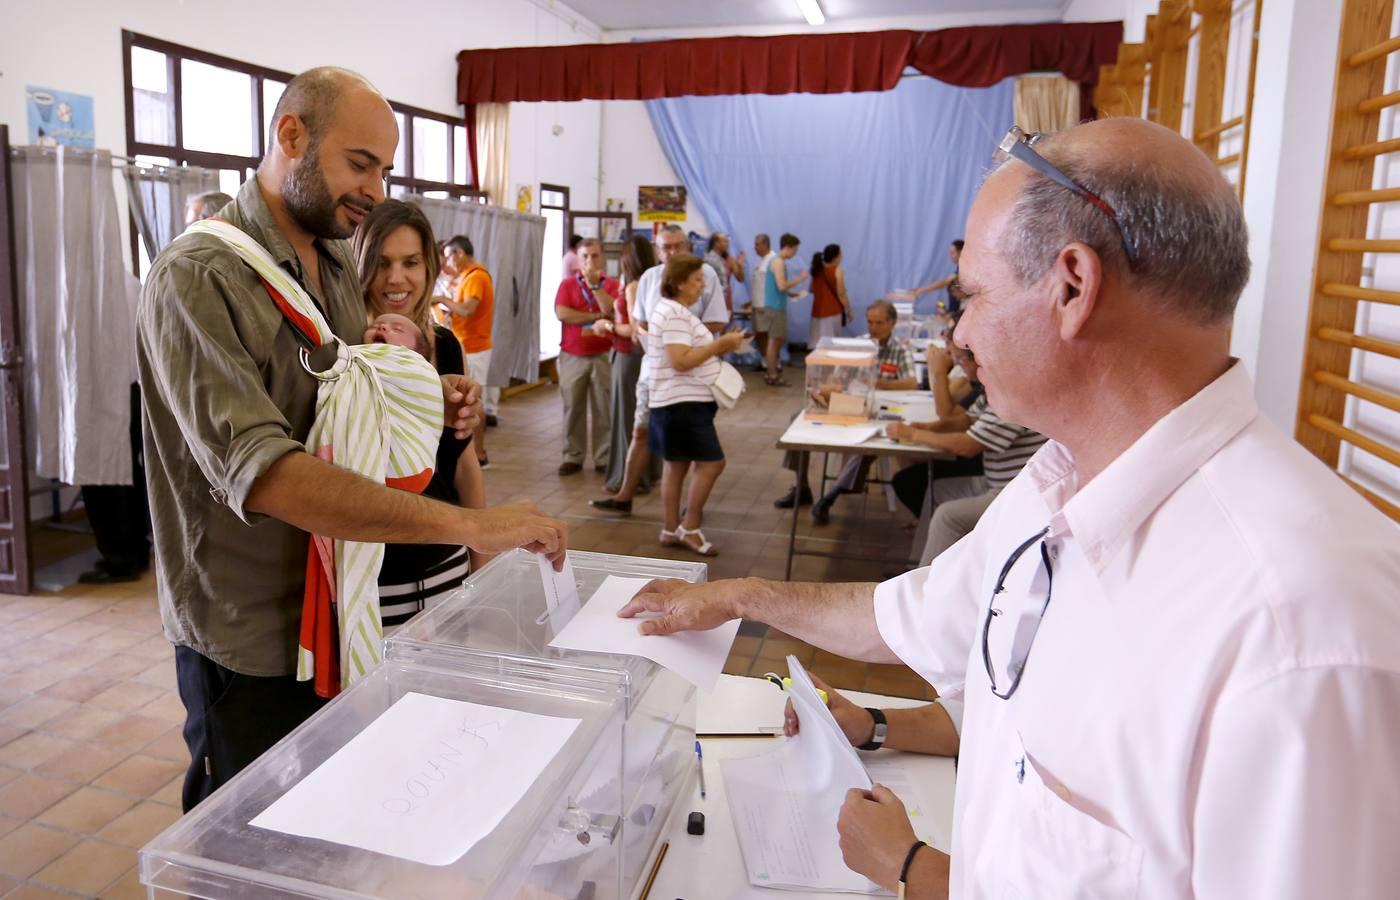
534,850
498,624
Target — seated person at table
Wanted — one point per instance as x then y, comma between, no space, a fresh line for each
952,398
896,373
933,728
957,503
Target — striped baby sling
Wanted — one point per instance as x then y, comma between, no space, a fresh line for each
379,413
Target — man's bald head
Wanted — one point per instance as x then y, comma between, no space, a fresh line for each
331,146
315,96
1183,217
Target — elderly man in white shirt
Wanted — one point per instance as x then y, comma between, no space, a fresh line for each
1177,634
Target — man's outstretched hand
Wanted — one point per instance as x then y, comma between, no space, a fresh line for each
684,606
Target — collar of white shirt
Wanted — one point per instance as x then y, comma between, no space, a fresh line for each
1111,508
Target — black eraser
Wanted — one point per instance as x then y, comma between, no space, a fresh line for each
695,824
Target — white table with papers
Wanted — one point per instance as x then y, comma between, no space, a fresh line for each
711,866
804,437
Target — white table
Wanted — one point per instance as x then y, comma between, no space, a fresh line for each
800,439
711,866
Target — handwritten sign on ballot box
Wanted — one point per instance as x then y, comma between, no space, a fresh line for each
425,781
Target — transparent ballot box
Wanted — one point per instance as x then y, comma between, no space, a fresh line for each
562,839
841,377
587,826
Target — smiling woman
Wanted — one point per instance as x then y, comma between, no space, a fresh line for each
395,253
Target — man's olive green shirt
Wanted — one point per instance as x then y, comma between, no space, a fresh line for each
225,397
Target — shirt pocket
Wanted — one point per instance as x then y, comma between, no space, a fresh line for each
1064,851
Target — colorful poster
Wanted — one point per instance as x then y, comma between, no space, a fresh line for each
58,117
661,204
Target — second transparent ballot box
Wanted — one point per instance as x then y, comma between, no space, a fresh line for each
498,626
841,377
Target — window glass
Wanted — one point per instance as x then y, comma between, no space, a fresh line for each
461,166
217,109
430,162
152,103
271,93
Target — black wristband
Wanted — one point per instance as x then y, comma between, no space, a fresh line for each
908,861
877,737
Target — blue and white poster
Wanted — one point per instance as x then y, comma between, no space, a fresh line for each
58,117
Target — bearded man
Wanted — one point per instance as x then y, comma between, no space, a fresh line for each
230,400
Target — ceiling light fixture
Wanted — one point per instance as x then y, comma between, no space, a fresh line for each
811,11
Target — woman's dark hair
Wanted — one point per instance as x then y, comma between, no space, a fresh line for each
637,256
575,240
678,268
825,258
958,244
380,222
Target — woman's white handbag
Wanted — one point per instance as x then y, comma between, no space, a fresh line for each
728,386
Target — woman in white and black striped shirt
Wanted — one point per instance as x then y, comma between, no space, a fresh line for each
684,359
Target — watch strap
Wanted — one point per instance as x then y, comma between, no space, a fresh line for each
877,740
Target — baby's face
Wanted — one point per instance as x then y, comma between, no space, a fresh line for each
392,328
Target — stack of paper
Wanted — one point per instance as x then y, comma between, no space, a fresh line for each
785,804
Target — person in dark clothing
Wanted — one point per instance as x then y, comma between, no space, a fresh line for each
120,516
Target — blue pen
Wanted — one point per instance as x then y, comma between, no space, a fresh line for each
700,758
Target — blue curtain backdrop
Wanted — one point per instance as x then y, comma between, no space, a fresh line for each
889,175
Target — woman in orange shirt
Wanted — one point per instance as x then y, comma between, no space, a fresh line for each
830,305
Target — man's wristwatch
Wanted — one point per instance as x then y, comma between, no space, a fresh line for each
877,740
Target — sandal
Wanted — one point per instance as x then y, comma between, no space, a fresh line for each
775,381
705,548
673,538
613,505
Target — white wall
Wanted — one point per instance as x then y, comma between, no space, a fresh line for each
1283,196
75,45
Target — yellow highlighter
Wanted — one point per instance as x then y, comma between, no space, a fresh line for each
785,684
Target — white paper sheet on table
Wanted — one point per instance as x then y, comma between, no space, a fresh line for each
802,431
425,781
852,342
785,804
696,656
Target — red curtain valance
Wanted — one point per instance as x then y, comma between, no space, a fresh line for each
976,56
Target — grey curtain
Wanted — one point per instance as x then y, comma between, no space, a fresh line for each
157,198
509,244
76,315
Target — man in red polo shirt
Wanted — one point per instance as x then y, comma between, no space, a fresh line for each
584,371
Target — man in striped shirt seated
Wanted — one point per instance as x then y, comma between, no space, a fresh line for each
952,506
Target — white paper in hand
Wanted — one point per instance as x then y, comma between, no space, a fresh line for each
560,590
696,656
786,803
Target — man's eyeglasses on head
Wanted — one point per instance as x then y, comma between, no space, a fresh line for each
1020,146
1023,637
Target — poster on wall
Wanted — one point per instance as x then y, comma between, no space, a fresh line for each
59,117
661,204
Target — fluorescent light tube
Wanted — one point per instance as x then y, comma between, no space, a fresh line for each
811,11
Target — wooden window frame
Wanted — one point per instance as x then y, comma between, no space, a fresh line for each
178,154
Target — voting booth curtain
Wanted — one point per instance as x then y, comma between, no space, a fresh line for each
510,245
77,306
889,176
157,196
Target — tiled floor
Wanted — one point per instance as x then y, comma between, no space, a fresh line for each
91,755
